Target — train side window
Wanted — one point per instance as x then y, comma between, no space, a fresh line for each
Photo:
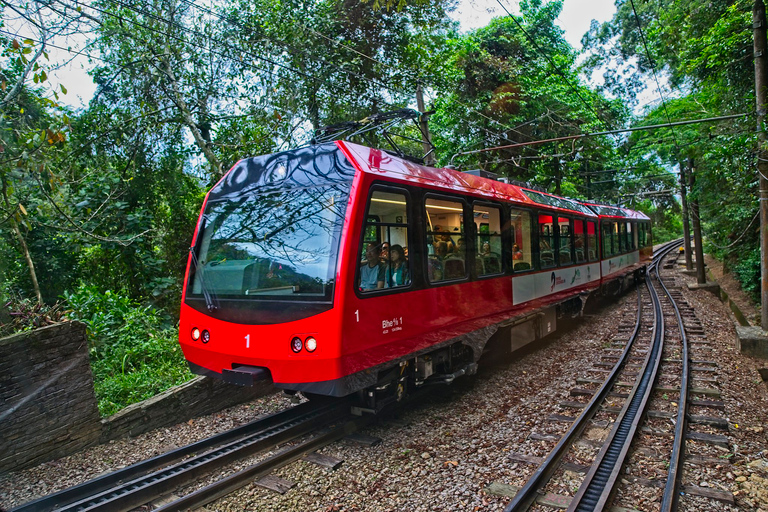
631,243
488,239
546,241
445,230
608,228
384,248
622,237
579,241
522,256
565,240
592,249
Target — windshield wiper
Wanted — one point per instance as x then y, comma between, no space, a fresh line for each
211,302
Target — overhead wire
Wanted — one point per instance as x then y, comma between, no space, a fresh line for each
193,4
653,67
275,63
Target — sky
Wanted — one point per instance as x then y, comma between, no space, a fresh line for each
471,14
575,18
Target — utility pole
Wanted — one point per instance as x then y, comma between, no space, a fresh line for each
426,144
701,277
761,82
686,222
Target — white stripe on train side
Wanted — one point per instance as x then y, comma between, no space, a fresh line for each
528,287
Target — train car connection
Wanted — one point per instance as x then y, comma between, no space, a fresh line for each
337,269
626,246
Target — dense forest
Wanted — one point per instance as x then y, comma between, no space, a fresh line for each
98,204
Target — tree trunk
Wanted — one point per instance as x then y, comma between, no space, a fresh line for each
686,222
701,277
760,47
28,259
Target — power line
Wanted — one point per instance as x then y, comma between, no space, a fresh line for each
653,69
609,132
413,76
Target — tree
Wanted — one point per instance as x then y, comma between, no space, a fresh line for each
705,51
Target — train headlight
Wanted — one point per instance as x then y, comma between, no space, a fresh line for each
296,345
195,334
206,336
311,344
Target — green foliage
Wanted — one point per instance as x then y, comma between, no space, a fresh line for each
747,270
134,352
19,314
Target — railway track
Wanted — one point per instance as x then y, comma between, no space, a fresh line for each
307,427
659,340
162,475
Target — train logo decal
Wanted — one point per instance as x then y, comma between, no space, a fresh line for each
556,280
577,276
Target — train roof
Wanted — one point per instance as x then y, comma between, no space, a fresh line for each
324,163
381,163
618,212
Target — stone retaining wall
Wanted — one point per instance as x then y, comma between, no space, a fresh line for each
48,408
199,396
46,390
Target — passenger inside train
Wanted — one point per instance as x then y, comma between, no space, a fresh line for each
372,271
397,269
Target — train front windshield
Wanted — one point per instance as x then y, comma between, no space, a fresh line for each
274,245
266,251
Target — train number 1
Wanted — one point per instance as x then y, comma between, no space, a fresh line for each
357,314
247,341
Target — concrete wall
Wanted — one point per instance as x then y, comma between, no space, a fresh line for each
48,408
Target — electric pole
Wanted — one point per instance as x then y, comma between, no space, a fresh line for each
701,277
761,81
686,222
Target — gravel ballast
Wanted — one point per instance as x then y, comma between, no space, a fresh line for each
445,452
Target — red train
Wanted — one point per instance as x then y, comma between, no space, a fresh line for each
337,269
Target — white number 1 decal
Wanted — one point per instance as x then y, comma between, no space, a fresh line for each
357,314
247,341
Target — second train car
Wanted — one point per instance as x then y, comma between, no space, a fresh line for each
338,269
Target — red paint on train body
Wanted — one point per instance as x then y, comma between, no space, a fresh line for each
358,335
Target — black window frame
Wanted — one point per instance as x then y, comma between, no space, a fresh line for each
569,218
597,247
537,243
503,234
533,220
424,267
392,189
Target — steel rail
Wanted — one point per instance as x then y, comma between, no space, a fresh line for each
596,489
526,496
670,497
285,456
121,494
91,487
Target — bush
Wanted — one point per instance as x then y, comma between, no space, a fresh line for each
747,271
134,352
19,314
